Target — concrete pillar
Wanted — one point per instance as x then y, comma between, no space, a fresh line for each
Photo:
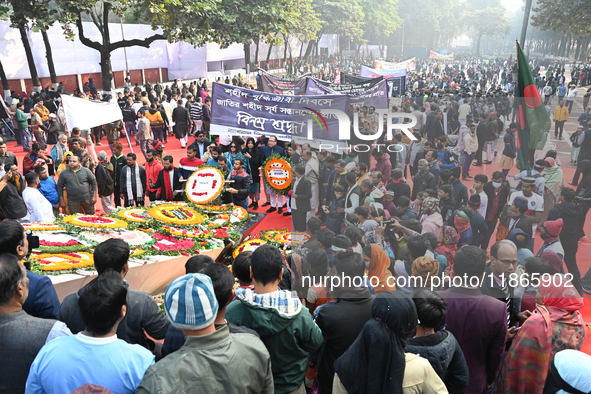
160,73
23,86
143,77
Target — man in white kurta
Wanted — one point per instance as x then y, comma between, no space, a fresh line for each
39,208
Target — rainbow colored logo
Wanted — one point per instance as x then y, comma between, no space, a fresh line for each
316,117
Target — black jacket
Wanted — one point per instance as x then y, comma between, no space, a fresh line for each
428,181
118,164
341,324
399,189
12,205
176,185
503,196
242,184
129,114
304,194
445,356
572,215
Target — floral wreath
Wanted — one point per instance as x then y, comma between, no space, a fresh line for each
43,227
251,244
194,233
277,162
133,237
240,213
94,221
287,238
214,208
220,220
137,215
194,189
53,262
60,243
175,214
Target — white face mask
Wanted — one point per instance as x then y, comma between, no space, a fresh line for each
496,185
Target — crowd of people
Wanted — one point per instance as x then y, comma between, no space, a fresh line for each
417,277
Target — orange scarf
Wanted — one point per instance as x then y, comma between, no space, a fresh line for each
378,267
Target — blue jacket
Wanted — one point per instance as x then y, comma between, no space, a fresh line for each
267,152
335,219
445,157
48,188
42,300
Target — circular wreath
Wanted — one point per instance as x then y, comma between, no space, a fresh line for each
291,238
239,212
250,245
218,221
277,173
53,262
136,215
180,232
43,227
175,214
167,243
94,221
204,185
133,237
60,243
269,235
215,208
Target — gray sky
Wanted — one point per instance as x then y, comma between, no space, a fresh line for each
512,5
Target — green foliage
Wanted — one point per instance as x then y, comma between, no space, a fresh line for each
569,16
343,17
380,23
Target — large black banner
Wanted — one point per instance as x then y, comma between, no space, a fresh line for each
283,86
396,85
348,87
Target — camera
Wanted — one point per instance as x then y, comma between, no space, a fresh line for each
33,241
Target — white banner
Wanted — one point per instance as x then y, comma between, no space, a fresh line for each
408,65
85,114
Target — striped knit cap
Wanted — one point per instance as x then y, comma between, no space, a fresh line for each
190,302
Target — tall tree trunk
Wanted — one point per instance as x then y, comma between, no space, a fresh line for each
285,52
256,52
309,48
106,73
578,48
246,57
30,59
301,50
49,55
269,53
4,81
478,45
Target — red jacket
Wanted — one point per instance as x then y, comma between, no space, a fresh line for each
152,171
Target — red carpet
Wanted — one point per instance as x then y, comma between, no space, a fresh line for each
276,221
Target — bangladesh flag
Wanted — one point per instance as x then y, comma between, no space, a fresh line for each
533,119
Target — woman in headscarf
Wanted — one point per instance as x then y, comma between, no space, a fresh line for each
377,362
426,269
553,185
449,244
377,263
556,324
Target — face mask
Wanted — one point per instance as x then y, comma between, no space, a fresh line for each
496,185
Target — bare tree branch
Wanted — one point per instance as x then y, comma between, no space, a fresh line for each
142,43
83,39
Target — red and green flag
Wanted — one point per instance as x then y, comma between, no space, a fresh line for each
532,117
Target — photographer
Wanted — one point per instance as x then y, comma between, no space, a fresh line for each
42,300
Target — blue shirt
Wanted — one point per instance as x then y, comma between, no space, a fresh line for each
48,188
67,363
